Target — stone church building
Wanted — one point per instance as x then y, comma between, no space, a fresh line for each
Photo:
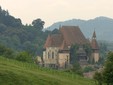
56,52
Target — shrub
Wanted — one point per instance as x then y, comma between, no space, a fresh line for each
88,69
24,57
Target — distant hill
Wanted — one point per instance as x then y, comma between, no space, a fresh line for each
102,25
13,72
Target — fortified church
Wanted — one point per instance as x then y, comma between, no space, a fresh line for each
57,54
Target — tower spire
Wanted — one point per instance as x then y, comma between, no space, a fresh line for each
94,34
95,48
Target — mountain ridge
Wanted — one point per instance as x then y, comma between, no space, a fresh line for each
102,25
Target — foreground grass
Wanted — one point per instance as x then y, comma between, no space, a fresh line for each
13,72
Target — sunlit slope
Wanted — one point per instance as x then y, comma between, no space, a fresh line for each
13,72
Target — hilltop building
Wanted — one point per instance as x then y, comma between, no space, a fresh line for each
57,47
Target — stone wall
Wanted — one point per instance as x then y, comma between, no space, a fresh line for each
50,56
96,57
63,60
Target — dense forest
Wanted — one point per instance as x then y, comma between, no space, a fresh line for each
19,37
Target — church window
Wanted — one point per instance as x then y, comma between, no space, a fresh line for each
48,54
52,55
67,58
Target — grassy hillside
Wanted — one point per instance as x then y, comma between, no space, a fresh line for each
17,73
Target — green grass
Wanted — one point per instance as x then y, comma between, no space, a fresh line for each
13,72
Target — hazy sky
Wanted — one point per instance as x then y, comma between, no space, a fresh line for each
57,10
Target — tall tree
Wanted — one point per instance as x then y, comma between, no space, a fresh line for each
38,23
108,70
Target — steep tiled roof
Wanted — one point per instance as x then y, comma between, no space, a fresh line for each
54,40
68,35
64,46
73,35
94,44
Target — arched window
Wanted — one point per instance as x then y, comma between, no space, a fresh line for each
67,58
48,54
52,55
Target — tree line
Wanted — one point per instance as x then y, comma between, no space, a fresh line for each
19,37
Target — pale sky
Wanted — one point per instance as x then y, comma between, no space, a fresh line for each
52,11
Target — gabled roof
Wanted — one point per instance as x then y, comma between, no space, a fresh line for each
64,46
73,35
68,36
54,40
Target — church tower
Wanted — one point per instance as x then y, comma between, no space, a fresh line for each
95,49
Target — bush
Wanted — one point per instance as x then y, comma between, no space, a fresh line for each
88,69
77,69
24,57
6,52
98,78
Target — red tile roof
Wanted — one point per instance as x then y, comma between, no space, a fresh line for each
68,35
73,35
94,44
54,40
64,46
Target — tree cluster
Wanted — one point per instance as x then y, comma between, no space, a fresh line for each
6,52
20,37
8,20
23,56
74,57
106,76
